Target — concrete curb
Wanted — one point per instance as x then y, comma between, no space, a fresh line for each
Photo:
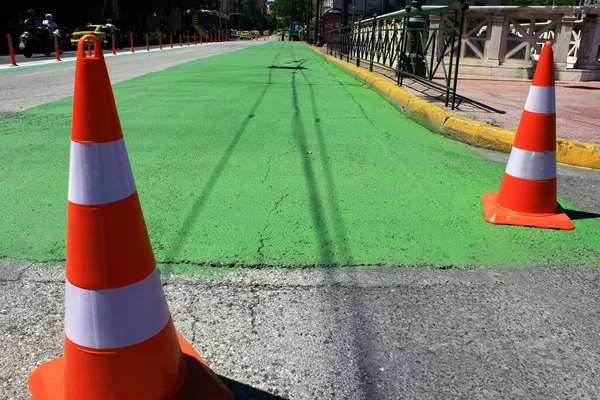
466,130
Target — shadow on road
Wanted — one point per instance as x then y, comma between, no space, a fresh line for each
324,240
192,215
341,234
574,214
245,392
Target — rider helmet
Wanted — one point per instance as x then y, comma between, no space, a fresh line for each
48,17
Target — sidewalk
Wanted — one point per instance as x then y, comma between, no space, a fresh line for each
577,103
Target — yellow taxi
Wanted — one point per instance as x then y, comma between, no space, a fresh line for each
87,29
267,33
245,35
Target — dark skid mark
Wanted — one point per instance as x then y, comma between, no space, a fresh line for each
287,66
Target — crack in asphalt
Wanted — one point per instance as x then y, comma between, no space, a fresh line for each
271,159
261,239
255,303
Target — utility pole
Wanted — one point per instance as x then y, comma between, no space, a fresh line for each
292,10
318,24
308,12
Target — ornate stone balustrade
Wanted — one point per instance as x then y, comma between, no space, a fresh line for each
506,41
497,41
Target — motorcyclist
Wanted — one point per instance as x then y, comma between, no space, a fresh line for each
110,27
52,26
31,24
49,22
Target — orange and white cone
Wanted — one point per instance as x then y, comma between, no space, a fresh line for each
120,341
527,195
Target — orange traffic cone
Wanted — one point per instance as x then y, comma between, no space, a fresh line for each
527,195
120,341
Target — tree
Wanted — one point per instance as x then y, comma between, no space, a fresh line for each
290,10
252,18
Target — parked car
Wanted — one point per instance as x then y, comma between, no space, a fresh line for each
245,35
87,29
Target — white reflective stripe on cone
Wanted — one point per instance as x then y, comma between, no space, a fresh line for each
534,165
99,173
541,100
113,318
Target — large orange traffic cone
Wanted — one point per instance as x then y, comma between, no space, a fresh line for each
120,341
527,195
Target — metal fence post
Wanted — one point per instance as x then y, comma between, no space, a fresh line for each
358,46
341,49
403,50
350,40
373,33
460,33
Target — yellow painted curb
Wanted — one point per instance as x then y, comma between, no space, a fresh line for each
466,130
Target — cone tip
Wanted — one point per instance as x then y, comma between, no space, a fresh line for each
97,47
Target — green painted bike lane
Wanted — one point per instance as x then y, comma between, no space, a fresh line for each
237,163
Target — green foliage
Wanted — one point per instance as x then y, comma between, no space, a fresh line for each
290,10
252,15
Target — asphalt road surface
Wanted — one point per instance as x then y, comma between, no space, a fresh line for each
32,85
397,333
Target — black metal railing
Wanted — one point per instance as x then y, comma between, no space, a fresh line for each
422,44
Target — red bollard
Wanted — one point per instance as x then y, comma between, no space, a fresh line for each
180,40
188,39
13,60
131,43
171,39
114,45
160,41
147,43
56,49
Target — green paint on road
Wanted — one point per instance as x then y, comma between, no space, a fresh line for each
237,163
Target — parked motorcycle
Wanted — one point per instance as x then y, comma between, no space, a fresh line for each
35,44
